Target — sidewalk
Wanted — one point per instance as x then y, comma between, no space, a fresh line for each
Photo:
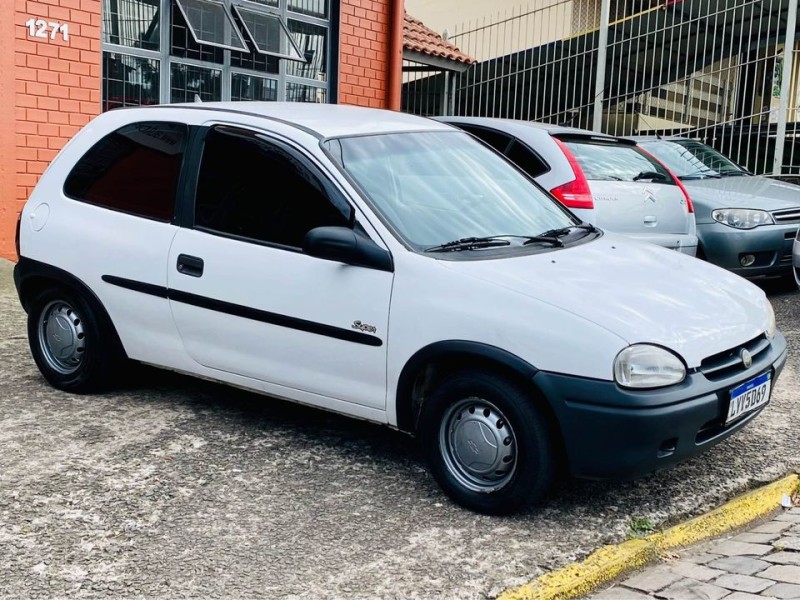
759,564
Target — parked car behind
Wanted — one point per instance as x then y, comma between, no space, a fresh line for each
394,269
745,223
606,181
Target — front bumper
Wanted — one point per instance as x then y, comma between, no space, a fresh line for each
771,245
613,433
796,260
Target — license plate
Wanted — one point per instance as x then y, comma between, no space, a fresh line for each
749,396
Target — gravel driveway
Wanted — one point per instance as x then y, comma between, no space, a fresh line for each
172,487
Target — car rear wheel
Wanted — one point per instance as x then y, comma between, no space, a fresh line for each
68,342
487,443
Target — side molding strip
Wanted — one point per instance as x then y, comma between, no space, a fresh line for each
245,312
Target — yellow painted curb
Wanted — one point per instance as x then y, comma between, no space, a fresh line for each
609,562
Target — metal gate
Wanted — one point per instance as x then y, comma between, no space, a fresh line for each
715,70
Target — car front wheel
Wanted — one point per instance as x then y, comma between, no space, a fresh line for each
487,443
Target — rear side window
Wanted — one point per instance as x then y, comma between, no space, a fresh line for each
133,170
617,162
495,139
526,160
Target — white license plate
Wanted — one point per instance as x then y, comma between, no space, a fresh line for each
749,396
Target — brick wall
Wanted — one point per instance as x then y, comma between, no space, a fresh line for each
364,52
56,90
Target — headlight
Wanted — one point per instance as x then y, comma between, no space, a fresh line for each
742,218
645,366
772,326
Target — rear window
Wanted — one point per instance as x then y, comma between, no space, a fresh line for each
617,162
133,170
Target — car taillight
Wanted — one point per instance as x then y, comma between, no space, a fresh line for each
576,193
16,235
678,182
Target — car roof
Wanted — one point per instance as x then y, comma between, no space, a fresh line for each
514,125
320,120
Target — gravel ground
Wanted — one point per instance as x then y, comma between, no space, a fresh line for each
172,487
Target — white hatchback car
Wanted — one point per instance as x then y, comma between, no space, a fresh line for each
391,268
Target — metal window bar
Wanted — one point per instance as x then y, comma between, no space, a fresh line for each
707,69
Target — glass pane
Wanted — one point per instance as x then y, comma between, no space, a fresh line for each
268,33
315,8
133,170
312,41
133,23
187,81
250,87
183,44
297,92
616,162
210,23
129,81
234,198
265,2
254,61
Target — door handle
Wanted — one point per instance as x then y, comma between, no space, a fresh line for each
190,265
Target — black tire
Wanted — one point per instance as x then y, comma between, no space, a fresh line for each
505,406
93,353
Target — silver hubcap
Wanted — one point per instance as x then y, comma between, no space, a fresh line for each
61,337
478,445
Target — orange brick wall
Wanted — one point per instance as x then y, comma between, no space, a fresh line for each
364,52
56,90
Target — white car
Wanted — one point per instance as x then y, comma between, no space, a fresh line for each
391,268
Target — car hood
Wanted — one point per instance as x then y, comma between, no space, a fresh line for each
743,192
638,291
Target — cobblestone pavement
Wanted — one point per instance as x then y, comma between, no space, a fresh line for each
762,563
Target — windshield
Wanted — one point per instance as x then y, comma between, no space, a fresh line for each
436,187
689,159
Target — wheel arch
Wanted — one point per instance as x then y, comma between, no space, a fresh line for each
31,277
431,364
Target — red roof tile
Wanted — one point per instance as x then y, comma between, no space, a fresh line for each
419,38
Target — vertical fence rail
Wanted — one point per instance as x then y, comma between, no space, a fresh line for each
723,71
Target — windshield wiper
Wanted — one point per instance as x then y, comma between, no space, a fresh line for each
562,231
701,175
652,175
733,174
470,243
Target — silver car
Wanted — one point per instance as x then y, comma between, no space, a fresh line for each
745,223
604,180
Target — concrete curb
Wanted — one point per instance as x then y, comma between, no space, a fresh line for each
609,562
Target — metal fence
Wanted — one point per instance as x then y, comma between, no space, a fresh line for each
715,70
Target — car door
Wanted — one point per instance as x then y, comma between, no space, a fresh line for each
247,300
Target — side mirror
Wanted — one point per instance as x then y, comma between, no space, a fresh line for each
345,245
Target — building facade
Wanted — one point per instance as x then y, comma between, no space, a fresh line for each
62,62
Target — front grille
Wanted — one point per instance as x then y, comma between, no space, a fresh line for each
725,363
787,215
786,259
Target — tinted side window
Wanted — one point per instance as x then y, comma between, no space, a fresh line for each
133,170
253,189
526,160
495,139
